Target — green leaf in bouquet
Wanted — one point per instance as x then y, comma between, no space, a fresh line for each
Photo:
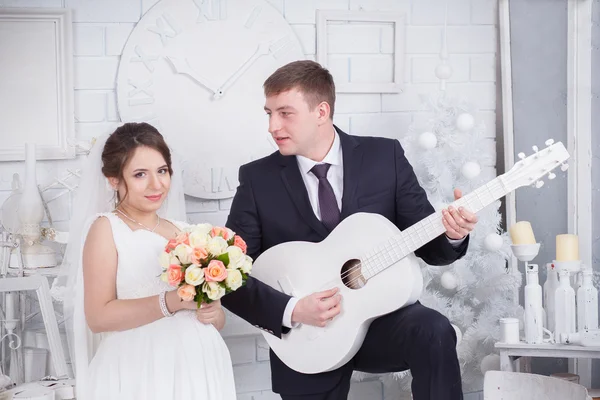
224,258
231,241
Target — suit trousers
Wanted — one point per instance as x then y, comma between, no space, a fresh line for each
416,338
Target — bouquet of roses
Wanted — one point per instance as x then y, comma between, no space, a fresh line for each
205,262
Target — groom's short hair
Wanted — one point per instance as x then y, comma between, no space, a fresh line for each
309,77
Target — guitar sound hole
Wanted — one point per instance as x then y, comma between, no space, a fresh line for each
352,276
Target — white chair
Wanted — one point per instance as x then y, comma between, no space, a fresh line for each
504,385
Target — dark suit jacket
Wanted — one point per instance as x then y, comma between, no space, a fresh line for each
271,206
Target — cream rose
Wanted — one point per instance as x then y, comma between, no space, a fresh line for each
234,279
230,233
236,257
164,277
184,253
202,228
164,260
198,239
216,246
246,266
194,275
213,290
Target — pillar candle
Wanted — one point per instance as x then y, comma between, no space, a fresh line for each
521,233
10,306
567,247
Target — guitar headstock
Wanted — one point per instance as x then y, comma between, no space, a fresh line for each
530,170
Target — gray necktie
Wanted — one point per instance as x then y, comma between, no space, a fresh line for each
330,213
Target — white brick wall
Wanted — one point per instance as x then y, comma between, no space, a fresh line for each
359,52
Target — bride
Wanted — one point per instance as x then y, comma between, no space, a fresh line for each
130,335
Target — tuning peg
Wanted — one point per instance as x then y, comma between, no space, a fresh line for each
536,150
564,166
551,175
539,184
549,142
521,155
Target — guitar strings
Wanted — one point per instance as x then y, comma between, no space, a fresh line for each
495,185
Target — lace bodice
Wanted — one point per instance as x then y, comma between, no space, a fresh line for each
138,269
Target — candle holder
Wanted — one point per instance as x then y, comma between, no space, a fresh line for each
573,266
525,252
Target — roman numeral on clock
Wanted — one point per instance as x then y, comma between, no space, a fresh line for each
147,95
166,27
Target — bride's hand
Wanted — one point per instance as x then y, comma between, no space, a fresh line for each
212,314
174,303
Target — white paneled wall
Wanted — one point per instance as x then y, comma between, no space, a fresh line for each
357,52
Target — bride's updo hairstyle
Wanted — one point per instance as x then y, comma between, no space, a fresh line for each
123,142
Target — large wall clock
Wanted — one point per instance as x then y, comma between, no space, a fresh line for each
195,69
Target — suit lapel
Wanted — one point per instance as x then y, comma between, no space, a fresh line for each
352,158
290,175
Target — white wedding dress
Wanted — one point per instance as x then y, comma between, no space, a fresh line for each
171,358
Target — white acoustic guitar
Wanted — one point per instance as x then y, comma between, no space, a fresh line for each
372,263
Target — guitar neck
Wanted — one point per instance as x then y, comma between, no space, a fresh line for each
424,231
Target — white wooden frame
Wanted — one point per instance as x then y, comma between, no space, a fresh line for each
62,93
579,141
42,289
397,85
507,116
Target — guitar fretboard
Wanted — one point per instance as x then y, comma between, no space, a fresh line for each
424,231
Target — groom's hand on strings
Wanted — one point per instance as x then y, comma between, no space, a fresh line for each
318,309
458,222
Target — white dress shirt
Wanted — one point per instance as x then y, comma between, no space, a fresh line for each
335,176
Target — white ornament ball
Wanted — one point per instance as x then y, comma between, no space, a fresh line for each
449,280
427,140
465,122
443,71
458,334
491,362
493,242
470,170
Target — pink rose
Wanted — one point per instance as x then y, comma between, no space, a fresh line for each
183,238
186,292
171,244
174,274
239,242
215,272
198,254
218,231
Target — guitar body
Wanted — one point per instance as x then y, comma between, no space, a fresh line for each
301,268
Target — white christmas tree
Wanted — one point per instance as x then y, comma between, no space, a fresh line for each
479,289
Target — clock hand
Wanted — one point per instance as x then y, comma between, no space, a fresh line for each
182,67
263,49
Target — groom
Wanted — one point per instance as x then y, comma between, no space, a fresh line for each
319,176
